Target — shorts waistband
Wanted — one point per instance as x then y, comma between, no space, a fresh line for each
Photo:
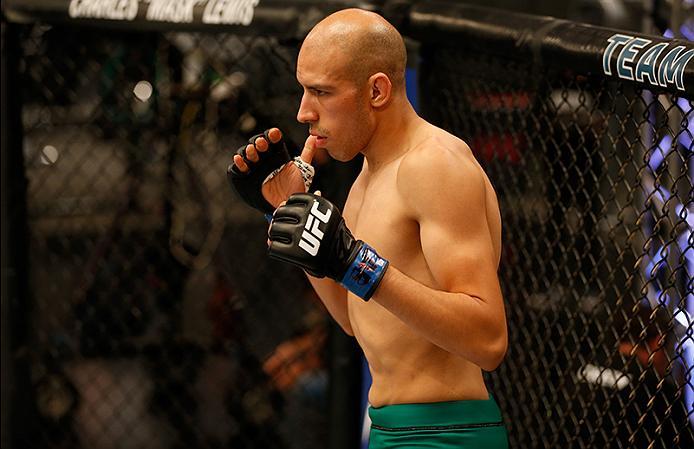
436,414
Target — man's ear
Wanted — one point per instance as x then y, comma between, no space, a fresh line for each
381,89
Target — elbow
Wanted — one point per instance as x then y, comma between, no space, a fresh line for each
495,353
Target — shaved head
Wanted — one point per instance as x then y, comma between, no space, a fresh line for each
366,42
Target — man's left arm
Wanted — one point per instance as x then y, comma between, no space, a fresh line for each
464,313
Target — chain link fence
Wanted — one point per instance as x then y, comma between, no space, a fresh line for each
157,321
595,184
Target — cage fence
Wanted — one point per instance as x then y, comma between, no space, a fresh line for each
594,179
157,319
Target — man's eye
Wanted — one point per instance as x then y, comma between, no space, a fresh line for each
319,92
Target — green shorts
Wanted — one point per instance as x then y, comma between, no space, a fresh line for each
458,424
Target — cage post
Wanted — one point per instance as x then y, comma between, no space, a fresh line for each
15,296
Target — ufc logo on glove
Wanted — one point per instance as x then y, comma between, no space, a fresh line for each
312,236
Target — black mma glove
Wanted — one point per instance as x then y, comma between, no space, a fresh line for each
249,185
309,231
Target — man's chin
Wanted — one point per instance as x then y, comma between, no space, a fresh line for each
341,157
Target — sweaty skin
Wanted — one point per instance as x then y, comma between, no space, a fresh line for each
422,201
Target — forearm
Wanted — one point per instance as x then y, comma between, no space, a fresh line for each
334,297
457,322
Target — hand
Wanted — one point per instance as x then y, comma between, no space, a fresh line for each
295,358
309,231
292,178
262,175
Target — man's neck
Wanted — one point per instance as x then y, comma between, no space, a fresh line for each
393,134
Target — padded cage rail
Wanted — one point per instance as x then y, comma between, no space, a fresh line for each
653,62
648,61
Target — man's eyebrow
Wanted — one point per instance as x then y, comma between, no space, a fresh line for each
316,86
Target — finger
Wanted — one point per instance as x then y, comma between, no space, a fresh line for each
299,200
240,163
309,149
275,135
272,364
251,153
317,193
261,144
280,232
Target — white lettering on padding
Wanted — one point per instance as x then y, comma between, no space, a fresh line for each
229,12
104,9
176,11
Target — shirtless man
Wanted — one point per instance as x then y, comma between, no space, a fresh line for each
422,295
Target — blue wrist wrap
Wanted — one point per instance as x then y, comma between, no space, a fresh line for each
365,273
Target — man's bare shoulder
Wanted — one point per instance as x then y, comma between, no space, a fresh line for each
439,161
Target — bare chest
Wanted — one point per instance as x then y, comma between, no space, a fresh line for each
376,214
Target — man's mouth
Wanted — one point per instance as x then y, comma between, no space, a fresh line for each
320,140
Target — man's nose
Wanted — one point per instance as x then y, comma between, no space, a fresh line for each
306,113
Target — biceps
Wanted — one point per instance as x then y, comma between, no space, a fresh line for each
461,260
